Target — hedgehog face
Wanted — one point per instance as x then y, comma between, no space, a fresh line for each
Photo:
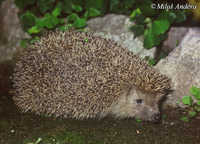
138,103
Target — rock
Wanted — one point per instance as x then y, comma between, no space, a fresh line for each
117,27
183,66
10,30
175,36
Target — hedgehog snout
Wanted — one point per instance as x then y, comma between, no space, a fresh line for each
156,117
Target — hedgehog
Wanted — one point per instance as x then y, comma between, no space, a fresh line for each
75,74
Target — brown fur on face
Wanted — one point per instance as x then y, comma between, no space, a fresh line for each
136,103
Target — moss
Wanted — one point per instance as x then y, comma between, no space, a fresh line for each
61,138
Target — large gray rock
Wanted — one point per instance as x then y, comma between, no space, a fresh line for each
175,36
10,30
117,27
183,66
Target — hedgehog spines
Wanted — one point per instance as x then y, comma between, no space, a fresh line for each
78,74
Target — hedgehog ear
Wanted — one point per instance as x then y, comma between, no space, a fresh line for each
160,95
129,90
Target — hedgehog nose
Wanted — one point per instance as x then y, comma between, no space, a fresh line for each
156,117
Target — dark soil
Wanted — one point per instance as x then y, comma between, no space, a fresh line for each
19,128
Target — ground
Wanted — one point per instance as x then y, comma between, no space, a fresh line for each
26,128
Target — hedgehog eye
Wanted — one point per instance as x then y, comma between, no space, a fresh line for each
139,100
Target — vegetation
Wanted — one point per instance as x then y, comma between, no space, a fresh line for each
153,61
194,107
153,24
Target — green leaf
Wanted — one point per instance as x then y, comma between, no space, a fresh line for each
129,4
92,12
146,58
38,141
168,16
113,3
67,7
164,116
79,23
195,108
139,19
138,30
86,39
177,42
50,21
36,38
33,30
37,27
138,120
152,61
61,21
185,119
23,43
172,16
63,28
196,92
100,5
56,11
145,7
187,100
45,5
160,26
198,109
151,40
192,114
39,23
122,7
77,8
180,16
163,36
69,25
28,20
198,103
72,17
136,11
86,15
162,55
23,4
